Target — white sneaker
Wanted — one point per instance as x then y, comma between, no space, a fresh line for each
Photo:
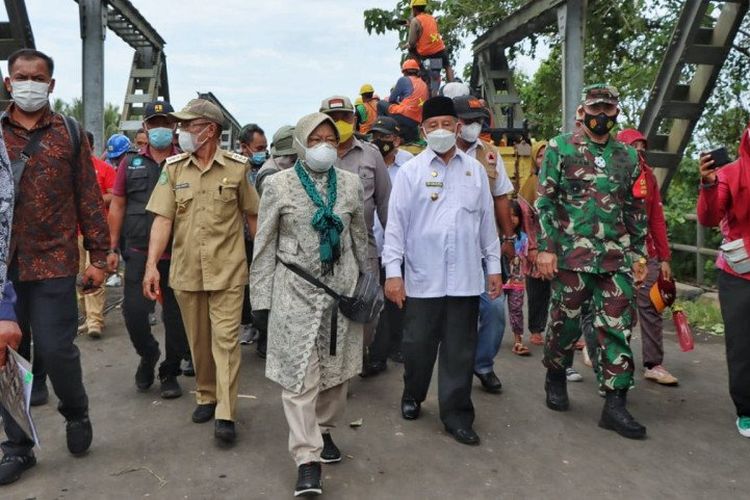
743,426
660,375
572,375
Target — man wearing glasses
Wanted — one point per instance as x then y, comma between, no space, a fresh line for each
201,198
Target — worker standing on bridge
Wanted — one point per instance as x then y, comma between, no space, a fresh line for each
363,159
137,177
593,229
471,116
204,194
56,194
406,100
367,112
425,41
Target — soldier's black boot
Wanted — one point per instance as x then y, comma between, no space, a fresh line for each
616,417
556,387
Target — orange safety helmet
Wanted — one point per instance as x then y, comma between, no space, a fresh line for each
410,64
663,293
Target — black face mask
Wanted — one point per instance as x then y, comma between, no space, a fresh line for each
385,147
600,124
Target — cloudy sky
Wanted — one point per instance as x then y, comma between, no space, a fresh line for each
268,62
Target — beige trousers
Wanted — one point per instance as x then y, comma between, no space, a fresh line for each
91,304
311,412
212,323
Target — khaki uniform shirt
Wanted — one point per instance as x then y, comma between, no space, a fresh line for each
364,160
207,209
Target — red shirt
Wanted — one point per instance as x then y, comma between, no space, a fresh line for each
657,243
57,194
715,209
105,176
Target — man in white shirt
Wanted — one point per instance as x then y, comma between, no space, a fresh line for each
441,227
471,115
386,135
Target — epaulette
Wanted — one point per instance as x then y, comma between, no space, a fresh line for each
236,156
176,158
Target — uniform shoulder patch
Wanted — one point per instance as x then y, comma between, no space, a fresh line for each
176,158
236,156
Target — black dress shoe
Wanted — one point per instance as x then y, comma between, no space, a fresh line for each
224,431
410,408
464,436
170,388
79,435
331,453
490,382
308,480
144,376
204,413
12,466
39,392
616,417
396,357
373,368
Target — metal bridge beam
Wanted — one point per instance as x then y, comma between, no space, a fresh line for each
533,17
571,21
93,30
14,34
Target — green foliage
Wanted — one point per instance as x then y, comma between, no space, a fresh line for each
703,315
75,109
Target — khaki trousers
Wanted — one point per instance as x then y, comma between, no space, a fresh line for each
91,304
212,323
311,412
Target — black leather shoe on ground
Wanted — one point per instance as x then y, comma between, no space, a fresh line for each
224,431
616,417
39,392
144,376
410,408
464,436
490,382
555,385
331,453
204,413
13,466
170,388
373,368
79,435
308,480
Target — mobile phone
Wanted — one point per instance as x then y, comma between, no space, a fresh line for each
719,156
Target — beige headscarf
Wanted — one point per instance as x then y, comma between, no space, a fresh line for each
305,126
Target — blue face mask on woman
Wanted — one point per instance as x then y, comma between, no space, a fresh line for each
160,137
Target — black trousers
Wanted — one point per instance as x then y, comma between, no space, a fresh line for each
734,298
136,308
48,309
247,311
444,327
539,292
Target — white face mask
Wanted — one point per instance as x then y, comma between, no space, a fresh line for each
320,158
29,95
187,141
441,140
470,133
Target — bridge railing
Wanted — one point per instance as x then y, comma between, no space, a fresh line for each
699,250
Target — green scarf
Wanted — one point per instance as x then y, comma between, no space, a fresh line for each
324,221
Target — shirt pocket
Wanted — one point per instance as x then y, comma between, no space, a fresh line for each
367,178
469,197
225,202
578,179
184,202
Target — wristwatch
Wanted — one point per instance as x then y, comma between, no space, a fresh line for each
113,250
99,264
509,238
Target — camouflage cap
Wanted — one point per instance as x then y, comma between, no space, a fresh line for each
200,108
282,142
600,92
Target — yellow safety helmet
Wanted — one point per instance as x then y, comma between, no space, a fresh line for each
366,89
419,3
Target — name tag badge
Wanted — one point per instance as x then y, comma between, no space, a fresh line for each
434,184
182,185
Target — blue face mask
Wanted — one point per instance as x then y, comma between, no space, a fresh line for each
259,158
160,137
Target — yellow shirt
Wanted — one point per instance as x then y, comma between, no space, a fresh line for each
207,209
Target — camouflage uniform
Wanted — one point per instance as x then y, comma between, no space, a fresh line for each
593,218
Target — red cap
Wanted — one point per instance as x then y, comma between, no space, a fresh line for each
630,135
